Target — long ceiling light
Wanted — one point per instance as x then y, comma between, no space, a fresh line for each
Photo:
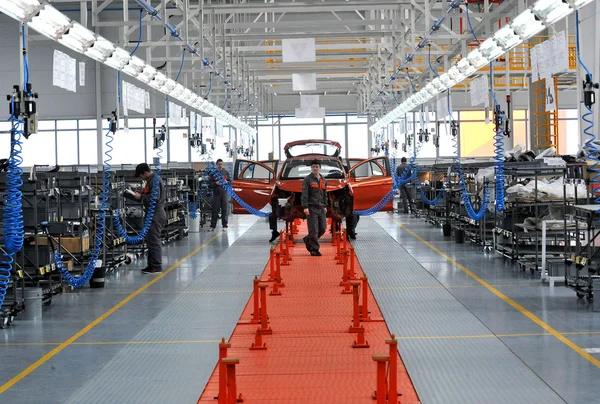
527,24
53,24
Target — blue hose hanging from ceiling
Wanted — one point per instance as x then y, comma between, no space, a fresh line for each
397,182
80,281
12,214
498,146
587,117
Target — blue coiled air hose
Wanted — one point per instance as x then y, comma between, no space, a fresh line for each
138,238
397,182
590,143
78,282
12,215
498,146
194,206
212,169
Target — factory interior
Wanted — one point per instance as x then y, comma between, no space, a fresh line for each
299,201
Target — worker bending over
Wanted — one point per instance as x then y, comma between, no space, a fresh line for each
314,201
153,237
219,202
404,191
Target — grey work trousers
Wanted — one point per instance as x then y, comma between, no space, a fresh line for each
219,203
406,198
317,226
154,242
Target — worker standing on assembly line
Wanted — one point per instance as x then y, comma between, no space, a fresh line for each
153,237
314,202
404,191
219,202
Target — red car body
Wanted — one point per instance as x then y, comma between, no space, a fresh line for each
352,184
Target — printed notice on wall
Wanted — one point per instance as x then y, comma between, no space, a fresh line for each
64,71
81,74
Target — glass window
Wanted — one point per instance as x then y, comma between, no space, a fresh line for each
46,125
136,123
568,133
266,136
355,119
256,172
87,124
358,141
368,169
88,147
66,142
66,124
476,139
335,119
151,153
128,147
4,145
178,145
298,169
520,133
5,126
447,142
520,114
337,133
567,113
472,116
39,150
294,121
294,133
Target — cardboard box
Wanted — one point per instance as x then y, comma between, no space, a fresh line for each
71,244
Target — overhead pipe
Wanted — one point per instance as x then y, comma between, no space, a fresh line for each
410,57
175,34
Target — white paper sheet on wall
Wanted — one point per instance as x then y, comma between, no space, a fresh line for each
174,114
134,98
147,97
298,50
550,95
64,71
442,109
479,91
81,74
304,81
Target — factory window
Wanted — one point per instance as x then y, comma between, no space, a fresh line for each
39,150
88,147
88,124
295,121
46,125
358,141
179,145
128,147
335,119
356,119
292,133
337,133
66,124
66,147
266,136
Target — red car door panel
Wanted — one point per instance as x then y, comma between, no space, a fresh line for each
371,180
253,183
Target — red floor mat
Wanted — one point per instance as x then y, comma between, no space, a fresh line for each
309,356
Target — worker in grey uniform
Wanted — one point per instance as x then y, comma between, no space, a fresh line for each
153,237
314,201
404,191
219,202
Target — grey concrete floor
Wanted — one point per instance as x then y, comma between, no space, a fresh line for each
55,379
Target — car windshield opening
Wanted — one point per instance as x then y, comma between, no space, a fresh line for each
298,169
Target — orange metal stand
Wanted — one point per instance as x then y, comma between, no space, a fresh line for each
232,396
222,397
381,393
264,328
393,370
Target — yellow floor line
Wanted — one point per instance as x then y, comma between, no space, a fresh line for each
199,341
174,292
447,287
98,320
508,300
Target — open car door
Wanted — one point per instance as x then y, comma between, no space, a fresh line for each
253,181
371,180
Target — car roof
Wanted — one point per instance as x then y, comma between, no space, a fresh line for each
320,157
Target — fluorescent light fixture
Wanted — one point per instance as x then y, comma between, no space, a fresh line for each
506,38
50,22
490,49
447,80
465,67
476,59
158,81
100,50
147,74
135,66
119,59
19,9
431,89
187,96
177,91
551,10
455,74
527,25
438,84
77,38
577,4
